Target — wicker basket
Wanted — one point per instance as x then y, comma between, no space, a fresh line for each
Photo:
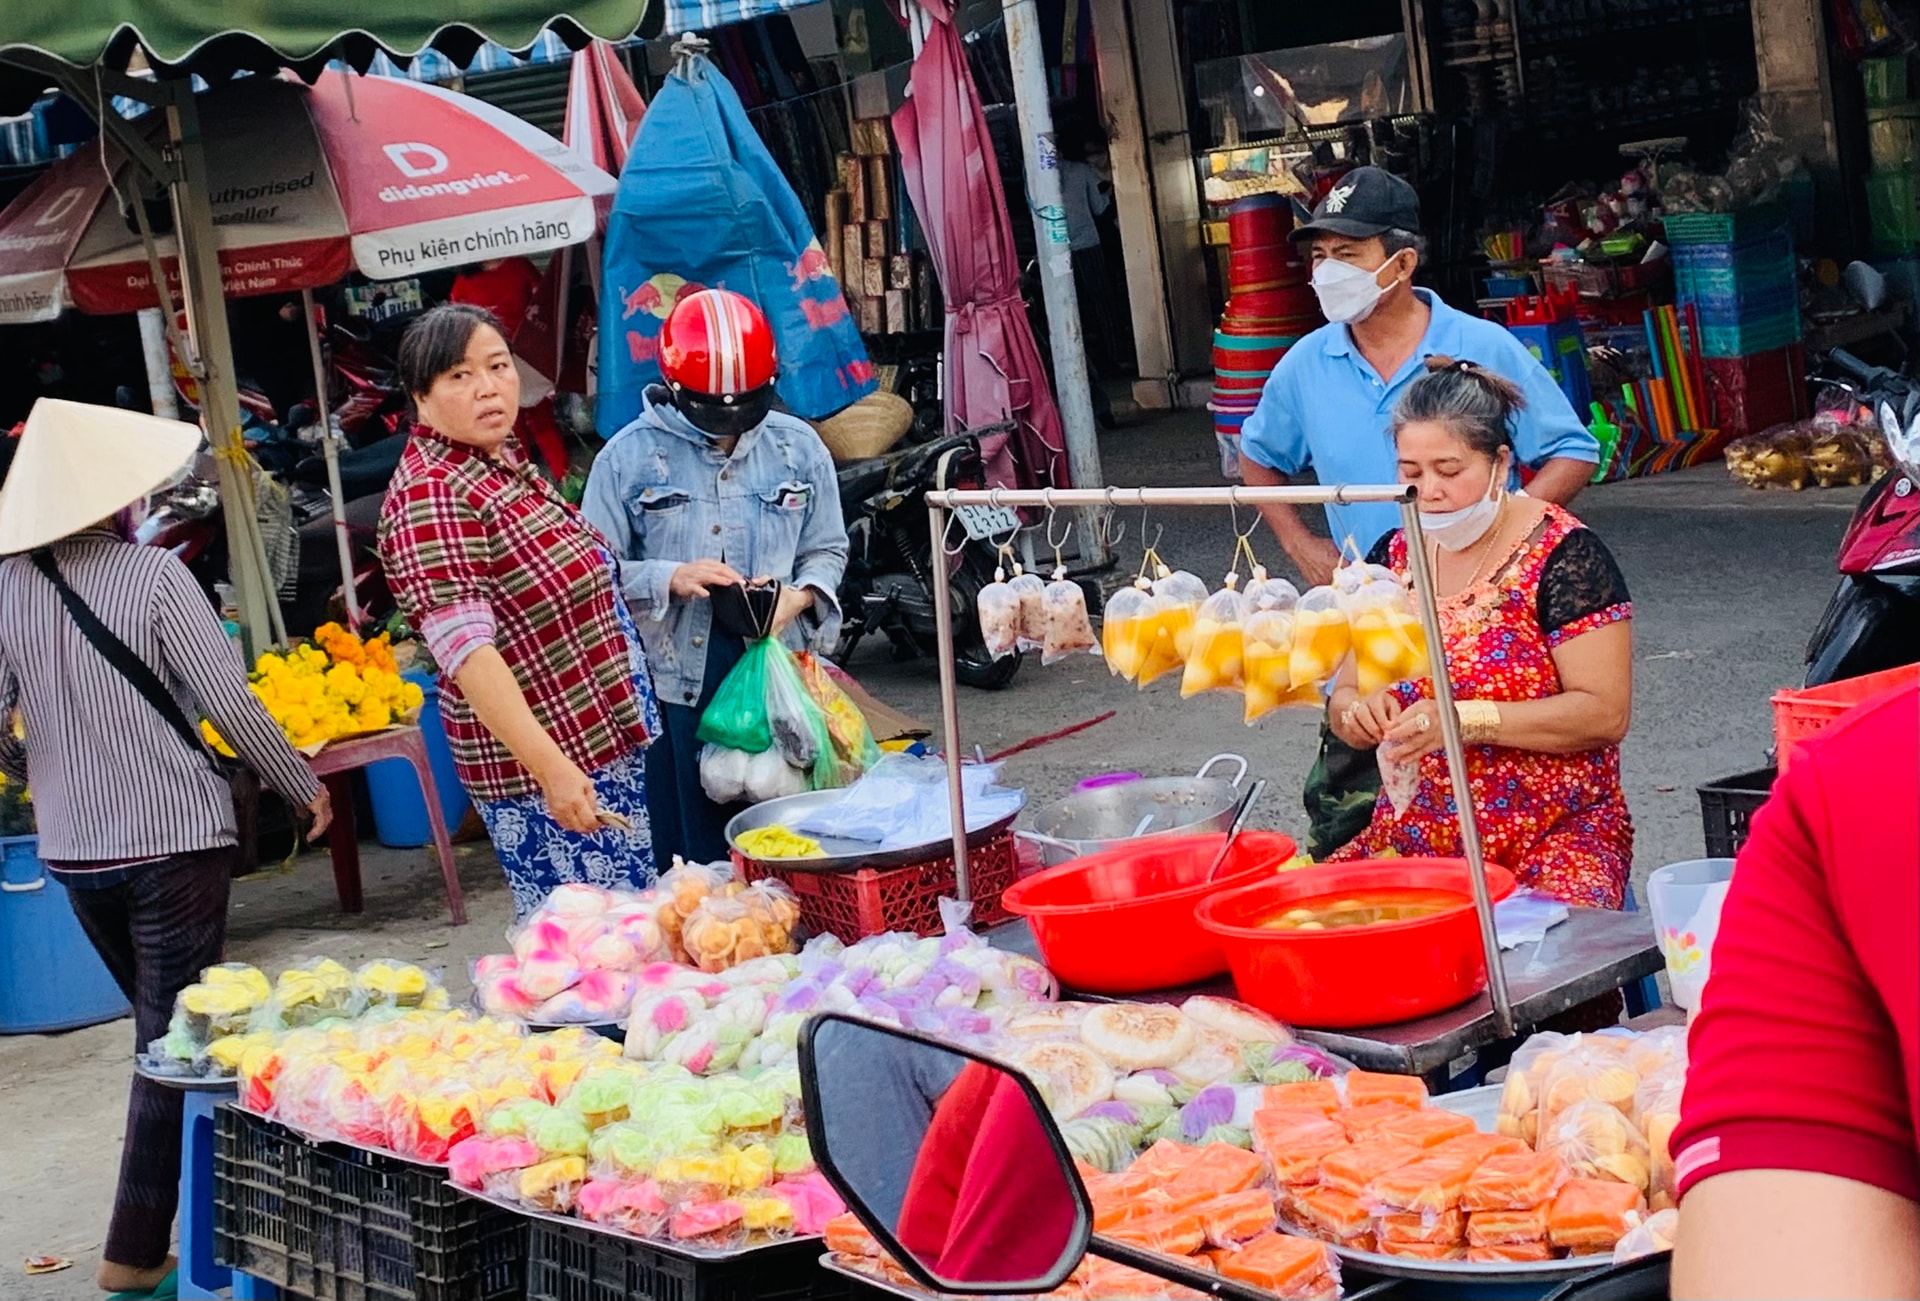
868,428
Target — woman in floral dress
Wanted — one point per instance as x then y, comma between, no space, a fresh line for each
548,702
1537,624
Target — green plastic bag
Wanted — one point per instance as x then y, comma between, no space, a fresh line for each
763,703
737,717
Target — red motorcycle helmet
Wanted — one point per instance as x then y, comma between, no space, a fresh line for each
718,356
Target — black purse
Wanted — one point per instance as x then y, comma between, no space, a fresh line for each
245,783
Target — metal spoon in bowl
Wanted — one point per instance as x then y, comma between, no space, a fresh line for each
1239,821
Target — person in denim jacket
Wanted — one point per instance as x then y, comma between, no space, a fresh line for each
711,486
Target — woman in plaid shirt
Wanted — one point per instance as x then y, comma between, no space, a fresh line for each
548,703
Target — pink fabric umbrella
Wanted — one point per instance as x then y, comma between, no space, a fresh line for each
387,176
994,369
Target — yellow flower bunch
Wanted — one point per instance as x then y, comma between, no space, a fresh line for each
333,686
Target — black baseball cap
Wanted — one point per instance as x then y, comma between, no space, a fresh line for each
1367,201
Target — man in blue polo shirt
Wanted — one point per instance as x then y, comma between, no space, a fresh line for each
1329,405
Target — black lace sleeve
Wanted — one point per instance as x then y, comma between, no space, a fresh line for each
1383,549
1581,588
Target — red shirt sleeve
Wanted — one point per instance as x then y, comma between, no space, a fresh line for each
1803,1044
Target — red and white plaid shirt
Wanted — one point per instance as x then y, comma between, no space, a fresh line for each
481,550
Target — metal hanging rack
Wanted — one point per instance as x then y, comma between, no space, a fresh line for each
942,501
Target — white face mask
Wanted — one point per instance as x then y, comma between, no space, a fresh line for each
1347,293
1456,530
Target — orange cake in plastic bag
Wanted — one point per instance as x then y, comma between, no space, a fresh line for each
1432,1183
1510,1253
1172,1235
1428,1127
1163,1160
1328,1212
1515,1181
1365,1087
1220,1168
1448,1227
1236,1217
1305,1095
1287,1266
1294,1141
1491,1228
847,1236
1365,1122
1425,1250
1591,1215
1480,1147
1353,1167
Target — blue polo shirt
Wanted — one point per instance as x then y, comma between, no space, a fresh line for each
1324,406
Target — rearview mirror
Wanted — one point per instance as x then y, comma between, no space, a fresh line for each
950,1160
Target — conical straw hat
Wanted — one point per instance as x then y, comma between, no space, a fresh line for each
79,463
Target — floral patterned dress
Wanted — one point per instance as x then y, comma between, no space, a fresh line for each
1559,822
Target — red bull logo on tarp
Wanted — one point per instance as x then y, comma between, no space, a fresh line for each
702,203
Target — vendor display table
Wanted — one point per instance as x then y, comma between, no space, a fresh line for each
1594,952
335,764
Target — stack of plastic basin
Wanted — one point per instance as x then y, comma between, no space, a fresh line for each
50,976
1270,306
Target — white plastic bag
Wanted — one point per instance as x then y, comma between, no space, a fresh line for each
999,608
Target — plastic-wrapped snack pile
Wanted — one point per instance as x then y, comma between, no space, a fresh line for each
654,1151
585,953
749,1017
233,1006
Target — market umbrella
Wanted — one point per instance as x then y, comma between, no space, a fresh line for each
86,47
993,367
381,175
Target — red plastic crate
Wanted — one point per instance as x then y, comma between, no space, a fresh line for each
1749,394
1799,715
853,905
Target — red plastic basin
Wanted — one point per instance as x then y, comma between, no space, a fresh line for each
1121,921
1363,975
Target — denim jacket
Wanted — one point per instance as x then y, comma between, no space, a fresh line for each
662,494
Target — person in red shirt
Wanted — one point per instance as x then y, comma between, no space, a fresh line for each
1796,1154
987,1202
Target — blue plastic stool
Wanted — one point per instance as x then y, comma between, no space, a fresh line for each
1644,994
200,1278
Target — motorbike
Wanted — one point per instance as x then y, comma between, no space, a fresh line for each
1872,621
888,585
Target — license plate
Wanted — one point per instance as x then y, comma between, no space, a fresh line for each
985,523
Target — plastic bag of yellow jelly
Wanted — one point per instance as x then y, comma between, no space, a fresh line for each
1214,662
1389,645
1177,598
1267,637
1123,629
1321,638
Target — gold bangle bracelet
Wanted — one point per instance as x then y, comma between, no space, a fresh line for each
1479,721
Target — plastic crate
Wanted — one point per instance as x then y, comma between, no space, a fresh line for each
1748,394
1760,252
352,1225
1723,227
1751,336
1727,807
569,1264
1747,302
1799,715
853,905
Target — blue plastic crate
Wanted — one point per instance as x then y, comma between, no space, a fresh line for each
1723,227
1747,303
1758,251
1731,282
1749,337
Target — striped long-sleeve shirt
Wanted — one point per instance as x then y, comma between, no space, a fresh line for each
112,781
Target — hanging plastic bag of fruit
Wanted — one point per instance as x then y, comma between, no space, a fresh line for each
999,608
1068,629
1321,637
1389,645
1177,598
1031,590
1215,662
1123,629
1264,593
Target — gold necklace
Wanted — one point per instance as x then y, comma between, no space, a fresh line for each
1493,537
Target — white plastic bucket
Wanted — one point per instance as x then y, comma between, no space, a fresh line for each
1685,899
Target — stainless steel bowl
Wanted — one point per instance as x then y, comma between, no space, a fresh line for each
1087,822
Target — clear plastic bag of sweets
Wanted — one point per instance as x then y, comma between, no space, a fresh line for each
1321,637
1123,629
1215,661
999,607
1389,645
1067,630
1177,598
1031,591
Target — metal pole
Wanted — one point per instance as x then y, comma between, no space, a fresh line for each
1457,765
1072,389
153,350
949,692
1234,495
330,447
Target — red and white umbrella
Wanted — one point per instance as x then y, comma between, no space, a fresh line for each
381,175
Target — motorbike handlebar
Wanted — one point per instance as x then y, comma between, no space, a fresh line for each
1853,367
